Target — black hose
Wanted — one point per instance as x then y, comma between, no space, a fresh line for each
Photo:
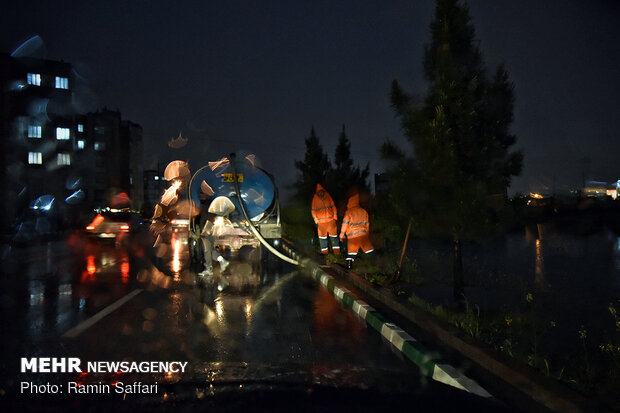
250,224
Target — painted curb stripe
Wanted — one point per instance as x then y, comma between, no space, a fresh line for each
348,301
395,335
447,374
416,354
361,308
339,293
409,346
375,320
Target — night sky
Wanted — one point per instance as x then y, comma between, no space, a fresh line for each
256,76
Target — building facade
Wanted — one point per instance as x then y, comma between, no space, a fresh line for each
50,151
109,158
154,186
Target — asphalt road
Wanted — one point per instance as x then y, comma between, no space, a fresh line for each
261,321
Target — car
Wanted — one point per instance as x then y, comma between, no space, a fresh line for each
113,224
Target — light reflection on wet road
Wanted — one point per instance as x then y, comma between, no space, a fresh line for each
268,313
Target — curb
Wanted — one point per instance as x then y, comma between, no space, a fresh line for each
541,390
429,362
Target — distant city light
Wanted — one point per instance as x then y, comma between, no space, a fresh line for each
63,159
34,79
35,158
34,131
62,82
63,134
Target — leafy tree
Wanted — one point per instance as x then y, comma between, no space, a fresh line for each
460,137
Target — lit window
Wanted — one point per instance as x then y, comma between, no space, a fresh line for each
35,158
34,79
62,134
80,144
80,127
63,159
62,83
34,131
99,146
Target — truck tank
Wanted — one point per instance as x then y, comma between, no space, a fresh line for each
256,186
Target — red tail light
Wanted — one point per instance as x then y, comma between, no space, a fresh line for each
96,221
125,227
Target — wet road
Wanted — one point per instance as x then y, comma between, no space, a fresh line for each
267,313
260,319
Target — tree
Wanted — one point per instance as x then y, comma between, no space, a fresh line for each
345,176
342,158
460,137
497,116
312,170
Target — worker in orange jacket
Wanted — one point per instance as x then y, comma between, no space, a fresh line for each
324,215
356,227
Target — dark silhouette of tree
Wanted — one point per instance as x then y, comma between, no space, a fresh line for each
497,115
313,170
345,176
460,137
342,158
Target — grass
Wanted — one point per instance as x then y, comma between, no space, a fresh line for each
519,335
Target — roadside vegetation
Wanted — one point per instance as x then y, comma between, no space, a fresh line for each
451,183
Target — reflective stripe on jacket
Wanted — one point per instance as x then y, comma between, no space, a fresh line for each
355,223
323,209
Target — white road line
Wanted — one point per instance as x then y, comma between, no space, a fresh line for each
80,328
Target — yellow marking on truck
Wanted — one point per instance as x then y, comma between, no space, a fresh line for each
230,178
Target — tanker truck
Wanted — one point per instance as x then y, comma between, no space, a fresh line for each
260,207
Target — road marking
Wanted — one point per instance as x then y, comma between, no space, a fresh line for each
80,328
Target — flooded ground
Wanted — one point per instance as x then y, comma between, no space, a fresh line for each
545,291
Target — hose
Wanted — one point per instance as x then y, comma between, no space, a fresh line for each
250,225
189,196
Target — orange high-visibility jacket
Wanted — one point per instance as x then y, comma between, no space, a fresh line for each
323,210
355,222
